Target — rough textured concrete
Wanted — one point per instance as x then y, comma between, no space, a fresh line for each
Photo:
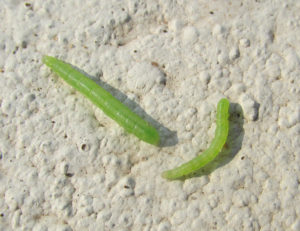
64,165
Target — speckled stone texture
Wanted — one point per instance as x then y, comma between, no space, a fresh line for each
64,165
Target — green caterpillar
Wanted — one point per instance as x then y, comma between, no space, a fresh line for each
207,156
104,100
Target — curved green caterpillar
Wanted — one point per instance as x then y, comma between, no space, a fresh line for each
208,155
104,100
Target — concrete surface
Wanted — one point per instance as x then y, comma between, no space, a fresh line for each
64,165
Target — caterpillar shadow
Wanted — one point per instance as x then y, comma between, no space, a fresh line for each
167,137
232,145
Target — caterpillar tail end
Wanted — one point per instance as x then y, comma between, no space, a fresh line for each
47,60
152,137
155,141
165,175
170,175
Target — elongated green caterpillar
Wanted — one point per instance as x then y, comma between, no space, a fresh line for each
104,100
208,155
